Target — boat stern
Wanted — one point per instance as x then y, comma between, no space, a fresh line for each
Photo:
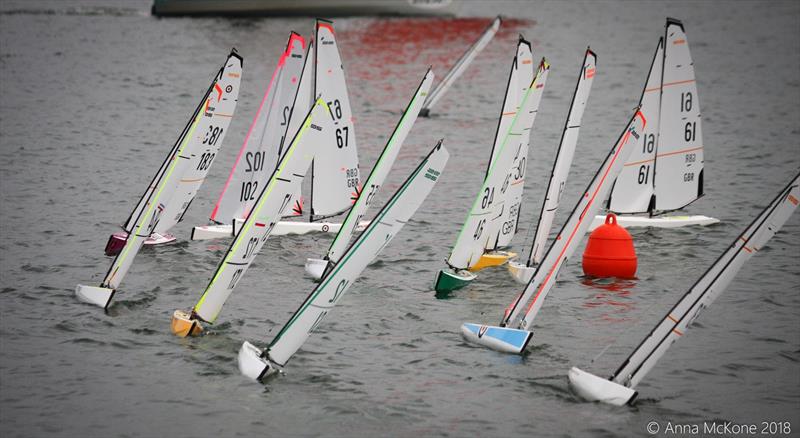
593,388
503,339
183,324
448,280
115,243
521,272
252,364
97,295
489,259
208,232
315,268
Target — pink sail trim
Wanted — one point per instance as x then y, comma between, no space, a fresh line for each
292,38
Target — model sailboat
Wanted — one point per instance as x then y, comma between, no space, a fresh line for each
514,332
480,229
257,364
460,66
177,179
522,272
187,186
619,388
283,108
272,203
335,182
666,172
316,268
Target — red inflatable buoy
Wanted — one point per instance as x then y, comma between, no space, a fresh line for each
610,251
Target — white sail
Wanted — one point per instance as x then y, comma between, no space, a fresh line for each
461,65
473,236
563,161
708,287
195,139
380,171
334,177
504,224
387,223
679,163
302,102
131,221
573,230
264,142
634,189
202,157
270,205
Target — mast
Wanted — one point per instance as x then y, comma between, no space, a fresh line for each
709,286
472,238
273,200
564,155
679,177
634,189
388,222
380,171
574,229
187,155
335,174
460,66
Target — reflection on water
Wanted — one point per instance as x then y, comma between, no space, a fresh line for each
612,295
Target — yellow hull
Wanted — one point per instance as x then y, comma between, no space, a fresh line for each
496,258
184,325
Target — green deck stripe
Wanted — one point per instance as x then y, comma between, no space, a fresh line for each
349,253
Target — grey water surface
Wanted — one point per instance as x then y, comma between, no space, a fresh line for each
94,93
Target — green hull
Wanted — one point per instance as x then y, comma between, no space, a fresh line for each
448,280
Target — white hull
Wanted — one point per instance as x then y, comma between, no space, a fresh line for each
251,364
315,268
283,228
655,222
520,272
99,296
593,388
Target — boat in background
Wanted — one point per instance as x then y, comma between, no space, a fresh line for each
317,268
619,389
515,330
330,8
504,218
666,173
516,117
193,174
257,364
189,159
460,66
283,107
522,272
335,181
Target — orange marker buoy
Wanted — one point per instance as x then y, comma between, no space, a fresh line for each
610,251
